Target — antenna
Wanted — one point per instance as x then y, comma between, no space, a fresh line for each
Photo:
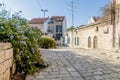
71,5
72,10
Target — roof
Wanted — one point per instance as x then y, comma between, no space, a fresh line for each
96,18
58,18
38,20
90,25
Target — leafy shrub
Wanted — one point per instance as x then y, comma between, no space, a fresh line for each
24,40
47,42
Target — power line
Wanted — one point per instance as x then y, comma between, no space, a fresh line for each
72,8
39,4
44,11
71,5
72,14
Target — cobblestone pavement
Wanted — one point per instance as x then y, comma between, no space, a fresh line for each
77,64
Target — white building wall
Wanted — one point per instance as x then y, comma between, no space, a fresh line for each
45,26
64,27
68,35
38,26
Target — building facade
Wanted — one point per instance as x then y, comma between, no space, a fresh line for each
39,23
57,27
54,27
97,34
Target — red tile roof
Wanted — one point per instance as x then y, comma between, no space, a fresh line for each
96,18
58,18
38,20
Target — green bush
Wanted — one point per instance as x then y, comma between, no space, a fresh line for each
24,40
47,42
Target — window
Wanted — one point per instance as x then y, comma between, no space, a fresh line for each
50,29
89,42
95,40
106,31
68,40
76,32
60,18
58,36
57,18
59,28
77,41
97,28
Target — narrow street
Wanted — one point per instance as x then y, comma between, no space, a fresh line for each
78,64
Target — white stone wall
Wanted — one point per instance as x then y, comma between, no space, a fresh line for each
84,34
64,27
118,1
104,40
45,27
69,35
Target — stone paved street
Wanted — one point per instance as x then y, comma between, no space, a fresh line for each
78,64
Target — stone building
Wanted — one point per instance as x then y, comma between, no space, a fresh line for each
98,33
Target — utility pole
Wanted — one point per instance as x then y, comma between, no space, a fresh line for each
44,11
72,11
72,5
113,20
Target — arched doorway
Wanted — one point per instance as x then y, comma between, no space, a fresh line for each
89,42
95,42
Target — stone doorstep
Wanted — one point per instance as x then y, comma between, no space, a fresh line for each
115,56
111,54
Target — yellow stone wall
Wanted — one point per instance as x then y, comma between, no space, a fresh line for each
6,60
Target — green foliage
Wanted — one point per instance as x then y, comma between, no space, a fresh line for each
24,40
47,42
70,28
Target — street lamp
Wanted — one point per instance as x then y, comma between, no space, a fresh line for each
44,11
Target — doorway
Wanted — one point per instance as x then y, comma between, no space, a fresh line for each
95,42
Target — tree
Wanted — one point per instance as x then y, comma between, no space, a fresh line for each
106,10
24,40
109,10
70,28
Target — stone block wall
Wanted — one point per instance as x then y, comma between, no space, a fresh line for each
6,60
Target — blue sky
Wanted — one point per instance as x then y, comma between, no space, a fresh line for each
84,9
